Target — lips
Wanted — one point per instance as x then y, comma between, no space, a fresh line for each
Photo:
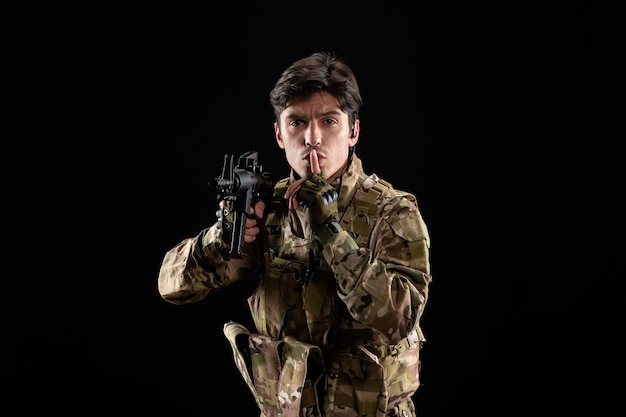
307,156
320,159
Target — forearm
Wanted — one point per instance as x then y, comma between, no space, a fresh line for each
195,268
386,290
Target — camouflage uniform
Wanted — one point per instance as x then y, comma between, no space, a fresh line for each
337,328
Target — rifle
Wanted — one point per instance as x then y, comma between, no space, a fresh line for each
239,186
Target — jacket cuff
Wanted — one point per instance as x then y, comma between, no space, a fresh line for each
327,231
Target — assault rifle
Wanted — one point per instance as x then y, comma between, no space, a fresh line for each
239,186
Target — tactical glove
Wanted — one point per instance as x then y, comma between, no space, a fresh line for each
321,200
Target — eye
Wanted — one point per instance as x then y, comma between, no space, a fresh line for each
296,122
330,121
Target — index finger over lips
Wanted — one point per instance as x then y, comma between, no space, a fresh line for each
315,163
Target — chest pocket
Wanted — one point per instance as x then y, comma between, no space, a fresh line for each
360,217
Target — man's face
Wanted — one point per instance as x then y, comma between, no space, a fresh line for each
316,123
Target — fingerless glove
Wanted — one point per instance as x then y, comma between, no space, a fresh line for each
321,200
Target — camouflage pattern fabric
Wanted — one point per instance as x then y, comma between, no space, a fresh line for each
357,301
277,370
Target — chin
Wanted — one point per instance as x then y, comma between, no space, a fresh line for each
303,173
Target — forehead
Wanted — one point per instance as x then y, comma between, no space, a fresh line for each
319,103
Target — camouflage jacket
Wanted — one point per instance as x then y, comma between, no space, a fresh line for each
337,328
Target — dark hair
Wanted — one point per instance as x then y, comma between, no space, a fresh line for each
321,71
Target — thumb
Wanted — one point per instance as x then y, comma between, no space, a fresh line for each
292,191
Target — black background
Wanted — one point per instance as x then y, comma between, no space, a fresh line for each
496,117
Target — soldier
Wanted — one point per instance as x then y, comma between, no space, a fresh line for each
341,258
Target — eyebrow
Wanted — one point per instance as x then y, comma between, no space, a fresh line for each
327,113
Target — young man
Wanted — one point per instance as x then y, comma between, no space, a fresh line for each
341,259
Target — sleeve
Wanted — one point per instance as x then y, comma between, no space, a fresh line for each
385,285
194,268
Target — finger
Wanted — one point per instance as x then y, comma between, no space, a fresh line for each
291,193
251,234
293,203
315,163
293,188
250,223
259,209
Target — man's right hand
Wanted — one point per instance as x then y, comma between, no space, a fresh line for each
252,222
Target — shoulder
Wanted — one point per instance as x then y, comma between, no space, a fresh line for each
399,210
389,197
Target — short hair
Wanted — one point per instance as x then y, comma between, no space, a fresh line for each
319,72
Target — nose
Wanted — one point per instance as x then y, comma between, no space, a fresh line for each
312,137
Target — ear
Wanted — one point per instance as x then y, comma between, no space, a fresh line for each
279,138
356,129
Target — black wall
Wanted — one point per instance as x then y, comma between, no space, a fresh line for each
495,117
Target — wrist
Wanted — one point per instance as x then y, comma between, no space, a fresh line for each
327,231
